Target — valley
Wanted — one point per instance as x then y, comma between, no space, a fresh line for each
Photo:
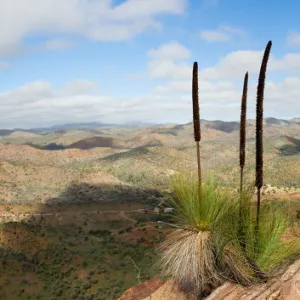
79,206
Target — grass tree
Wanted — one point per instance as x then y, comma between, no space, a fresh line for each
205,246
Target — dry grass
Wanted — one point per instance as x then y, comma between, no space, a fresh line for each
188,256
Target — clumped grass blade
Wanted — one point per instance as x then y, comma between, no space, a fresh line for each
214,211
237,266
208,227
265,247
188,257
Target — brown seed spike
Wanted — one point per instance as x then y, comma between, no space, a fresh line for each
196,119
243,131
259,117
196,114
243,122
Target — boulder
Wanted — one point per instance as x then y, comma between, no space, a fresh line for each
142,290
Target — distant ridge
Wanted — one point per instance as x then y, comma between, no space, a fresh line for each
88,125
226,126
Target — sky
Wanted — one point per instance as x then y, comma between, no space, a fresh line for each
121,61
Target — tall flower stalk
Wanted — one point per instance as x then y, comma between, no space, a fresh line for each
196,121
243,130
259,129
242,154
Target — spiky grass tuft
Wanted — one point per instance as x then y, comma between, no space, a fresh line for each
266,247
205,250
188,256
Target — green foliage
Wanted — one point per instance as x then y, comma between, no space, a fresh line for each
266,248
213,212
212,243
205,249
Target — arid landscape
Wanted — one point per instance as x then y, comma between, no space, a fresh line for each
79,206
149,150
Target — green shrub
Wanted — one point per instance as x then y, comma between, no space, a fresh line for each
204,248
266,248
210,243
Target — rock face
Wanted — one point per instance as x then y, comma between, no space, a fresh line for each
287,287
142,290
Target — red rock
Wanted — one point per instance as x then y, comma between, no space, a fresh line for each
142,290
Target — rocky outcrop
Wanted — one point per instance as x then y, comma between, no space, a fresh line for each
287,287
142,290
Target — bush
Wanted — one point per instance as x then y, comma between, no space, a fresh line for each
86,285
213,240
265,247
203,249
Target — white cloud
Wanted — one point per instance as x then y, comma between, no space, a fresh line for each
289,62
57,44
80,87
220,92
221,34
172,50
184,87
97,19
41,103
171,61
214,36
168,61
221,100
168,69
235,64
135,76
293,38
17,48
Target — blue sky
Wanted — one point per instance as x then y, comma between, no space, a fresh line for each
124,61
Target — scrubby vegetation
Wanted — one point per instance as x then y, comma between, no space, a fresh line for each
97,259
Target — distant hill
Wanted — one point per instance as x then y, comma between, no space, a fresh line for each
64,127
274,121
227,127
5,132
292,147
93,142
